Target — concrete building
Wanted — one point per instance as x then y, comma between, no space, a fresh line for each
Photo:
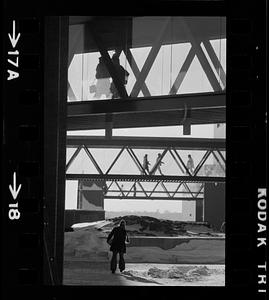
90,204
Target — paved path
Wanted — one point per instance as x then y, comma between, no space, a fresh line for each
90,273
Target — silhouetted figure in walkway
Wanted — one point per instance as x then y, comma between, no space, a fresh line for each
122,74
134,189
121,193
146,164
103,82
190,164
159,162
117,239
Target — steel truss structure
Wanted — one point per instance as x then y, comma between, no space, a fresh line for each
196,41
187,184
116,189
167,110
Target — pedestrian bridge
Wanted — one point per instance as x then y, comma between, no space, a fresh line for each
117,164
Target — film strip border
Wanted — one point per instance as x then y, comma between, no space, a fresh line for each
34,130
22,156
246,141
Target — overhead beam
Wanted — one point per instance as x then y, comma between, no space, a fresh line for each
148,119
195,101
147,142
144,178
209,28
152,198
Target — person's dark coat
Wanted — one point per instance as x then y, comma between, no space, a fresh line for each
101,70
119,236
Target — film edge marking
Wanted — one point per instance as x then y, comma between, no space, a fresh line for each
13,40
261,241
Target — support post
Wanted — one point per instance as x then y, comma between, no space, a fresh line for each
55,112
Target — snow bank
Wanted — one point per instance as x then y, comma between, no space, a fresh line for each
195,251
179,274
88,242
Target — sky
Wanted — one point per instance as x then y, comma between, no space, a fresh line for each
159,81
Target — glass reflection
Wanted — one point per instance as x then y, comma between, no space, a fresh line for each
130,57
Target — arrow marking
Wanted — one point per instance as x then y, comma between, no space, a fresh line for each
13,38
14,192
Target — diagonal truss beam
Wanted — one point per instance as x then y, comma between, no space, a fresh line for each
220,154
150,59
183,71
114,161
201,56
139,183
132,189
136,160
157,164
109,64
202,161
200,190
182,162
136,71
175,159
179,185
215,61
92,159
187,188
170,193
155,187
214,154
73,157
120,189
110,185
165,189
151,193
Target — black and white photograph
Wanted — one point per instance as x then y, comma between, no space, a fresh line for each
134,150
145,151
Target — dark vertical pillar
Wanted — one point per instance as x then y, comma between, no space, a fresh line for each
55,104
199,211
214,210
79,195
109,126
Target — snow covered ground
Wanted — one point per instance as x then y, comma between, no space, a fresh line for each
88,242
98,273
187,260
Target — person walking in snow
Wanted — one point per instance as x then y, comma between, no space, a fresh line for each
117,239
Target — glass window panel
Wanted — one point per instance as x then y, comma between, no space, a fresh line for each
150,50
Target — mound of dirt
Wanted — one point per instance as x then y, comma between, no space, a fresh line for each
149,226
